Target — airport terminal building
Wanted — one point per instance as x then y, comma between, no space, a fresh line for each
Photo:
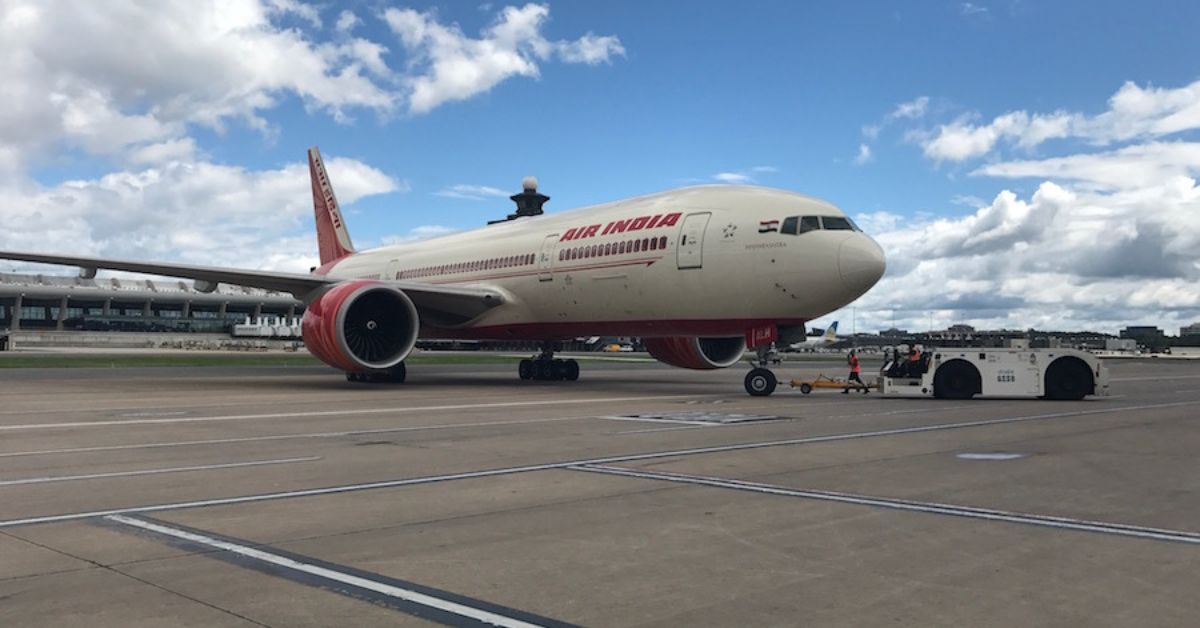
61,303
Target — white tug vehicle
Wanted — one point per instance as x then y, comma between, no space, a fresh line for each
962,373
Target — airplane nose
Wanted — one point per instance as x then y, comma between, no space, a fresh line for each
861,263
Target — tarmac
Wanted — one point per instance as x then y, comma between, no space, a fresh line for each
637,496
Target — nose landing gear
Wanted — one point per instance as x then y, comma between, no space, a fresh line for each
761,381
545,367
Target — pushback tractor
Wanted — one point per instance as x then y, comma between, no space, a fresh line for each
1062,374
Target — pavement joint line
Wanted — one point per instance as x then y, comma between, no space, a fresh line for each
465,475
323,413
1064,523
1152,379
252,439
413,428
426,602
120,474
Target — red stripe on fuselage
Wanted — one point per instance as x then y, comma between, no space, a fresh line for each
648,328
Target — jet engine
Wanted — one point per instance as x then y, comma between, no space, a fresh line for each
696,353
361,326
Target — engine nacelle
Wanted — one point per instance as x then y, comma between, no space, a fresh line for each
697,353
361,326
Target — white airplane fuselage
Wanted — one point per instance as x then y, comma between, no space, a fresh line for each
703,261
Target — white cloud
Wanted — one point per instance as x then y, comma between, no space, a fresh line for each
911,110
864,154
195,212
472,192
76,79
732,177
190,63
183,149
447,65
423,232
347,21
1134,113
969,8
1131,167
1067,257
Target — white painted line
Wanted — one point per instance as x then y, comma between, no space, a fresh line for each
284,562
992,455
671,429
1152,379
122,474
1065,523
415,428
654,420
349,488
253,439
320,413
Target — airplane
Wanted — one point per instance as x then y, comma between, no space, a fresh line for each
701,273
817,342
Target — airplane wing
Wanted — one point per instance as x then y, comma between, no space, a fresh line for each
444,303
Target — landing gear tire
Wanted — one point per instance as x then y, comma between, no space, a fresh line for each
395,375
545,368
571,370
760,382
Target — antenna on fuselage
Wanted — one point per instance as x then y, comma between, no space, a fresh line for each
529,201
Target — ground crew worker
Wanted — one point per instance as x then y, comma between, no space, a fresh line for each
914,362
855,371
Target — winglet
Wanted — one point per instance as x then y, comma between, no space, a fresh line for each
332,238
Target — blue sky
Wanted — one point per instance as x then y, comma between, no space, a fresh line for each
917,118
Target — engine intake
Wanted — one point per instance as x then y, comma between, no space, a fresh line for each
700,354
359,326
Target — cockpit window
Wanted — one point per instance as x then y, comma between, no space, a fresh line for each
809,223
836,223
789,225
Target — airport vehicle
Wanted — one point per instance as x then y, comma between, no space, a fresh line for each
701,273
806,386
817,342
963,373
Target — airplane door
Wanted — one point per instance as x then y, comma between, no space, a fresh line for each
546,258
393,269
691,240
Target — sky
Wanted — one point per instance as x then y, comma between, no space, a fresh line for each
1023,164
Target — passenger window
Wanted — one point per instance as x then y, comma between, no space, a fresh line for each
662,242
791,225
809,223
836,223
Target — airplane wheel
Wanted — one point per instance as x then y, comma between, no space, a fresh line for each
525,369
571,372
558,370
353,377
397,374
805,388
760,382
539,370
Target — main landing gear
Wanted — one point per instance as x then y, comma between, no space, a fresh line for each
394,375
545,367
761,381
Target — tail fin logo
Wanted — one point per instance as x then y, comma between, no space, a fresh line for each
333,239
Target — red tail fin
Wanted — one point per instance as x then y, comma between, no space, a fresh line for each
332,238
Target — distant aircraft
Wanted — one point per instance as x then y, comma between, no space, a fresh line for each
700,273
816,342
